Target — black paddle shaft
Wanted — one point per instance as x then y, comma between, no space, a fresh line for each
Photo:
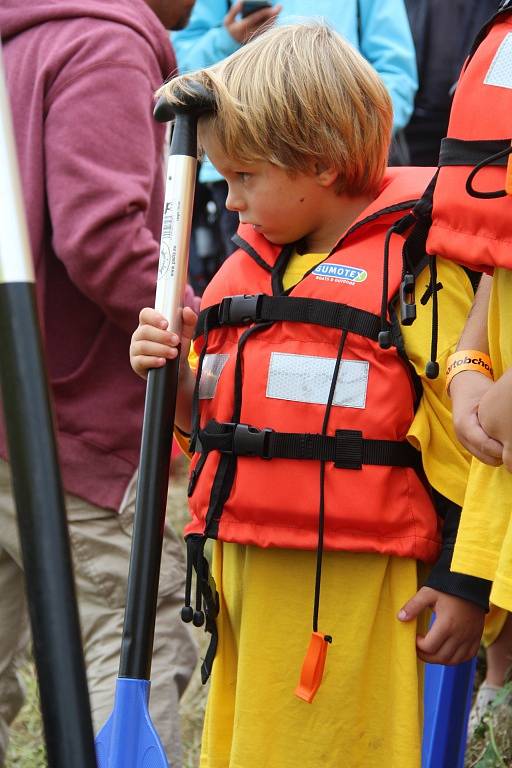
161,392
36,482
43,533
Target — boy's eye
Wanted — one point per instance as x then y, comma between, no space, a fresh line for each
243,175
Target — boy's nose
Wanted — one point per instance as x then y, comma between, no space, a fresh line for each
234,202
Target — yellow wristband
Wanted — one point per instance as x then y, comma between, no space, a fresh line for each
468,360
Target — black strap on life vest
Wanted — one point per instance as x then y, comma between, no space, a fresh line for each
258,308
477,155
207,599
347,448
461,152
399,227
414,260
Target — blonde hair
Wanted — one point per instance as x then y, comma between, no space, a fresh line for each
299,96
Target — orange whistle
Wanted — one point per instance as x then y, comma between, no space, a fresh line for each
508,180
313,667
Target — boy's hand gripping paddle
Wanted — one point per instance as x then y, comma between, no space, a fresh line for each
129,739
36,481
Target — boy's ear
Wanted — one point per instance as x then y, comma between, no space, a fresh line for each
325,176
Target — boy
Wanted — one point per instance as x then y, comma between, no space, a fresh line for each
305,395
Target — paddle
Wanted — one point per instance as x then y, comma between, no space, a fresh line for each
129,739
447,703
36,480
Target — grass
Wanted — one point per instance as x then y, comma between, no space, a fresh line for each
491,744
26,746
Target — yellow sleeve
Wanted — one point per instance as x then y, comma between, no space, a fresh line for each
484,541
445,461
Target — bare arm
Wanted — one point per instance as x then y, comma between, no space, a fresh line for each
495,414
469,387
474,335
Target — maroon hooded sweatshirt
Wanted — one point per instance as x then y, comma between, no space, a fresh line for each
81,76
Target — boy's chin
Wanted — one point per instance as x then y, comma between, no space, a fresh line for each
276,239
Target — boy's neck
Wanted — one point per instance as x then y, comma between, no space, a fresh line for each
338,213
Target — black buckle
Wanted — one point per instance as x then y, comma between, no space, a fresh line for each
239,310
348,449
407,300
250,441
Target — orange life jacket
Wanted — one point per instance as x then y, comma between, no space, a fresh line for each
472,193
268,413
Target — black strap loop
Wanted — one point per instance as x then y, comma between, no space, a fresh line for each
470,189
207,595
347,448
240,310
480,154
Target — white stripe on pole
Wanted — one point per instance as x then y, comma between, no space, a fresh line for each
175,238
15,259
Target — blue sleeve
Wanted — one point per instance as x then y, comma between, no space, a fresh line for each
386,42
205,40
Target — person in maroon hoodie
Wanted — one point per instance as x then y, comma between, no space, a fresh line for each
81,76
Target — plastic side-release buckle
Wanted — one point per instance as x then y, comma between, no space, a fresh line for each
239,310
250,441
313,665
407,300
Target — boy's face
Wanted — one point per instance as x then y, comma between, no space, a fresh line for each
283,207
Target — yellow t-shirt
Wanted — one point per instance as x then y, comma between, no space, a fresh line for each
367,712
484,543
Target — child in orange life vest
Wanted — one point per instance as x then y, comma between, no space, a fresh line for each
303,425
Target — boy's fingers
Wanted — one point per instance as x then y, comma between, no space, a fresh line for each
436,637
153,349
486,451
150,333
489,445
450,653
149,316
189,317
421,600
447,653
507,457
441,645
142,364
482,446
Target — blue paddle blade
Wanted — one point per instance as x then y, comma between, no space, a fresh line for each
447,702
129,739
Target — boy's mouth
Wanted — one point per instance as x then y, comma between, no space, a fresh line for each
256,227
